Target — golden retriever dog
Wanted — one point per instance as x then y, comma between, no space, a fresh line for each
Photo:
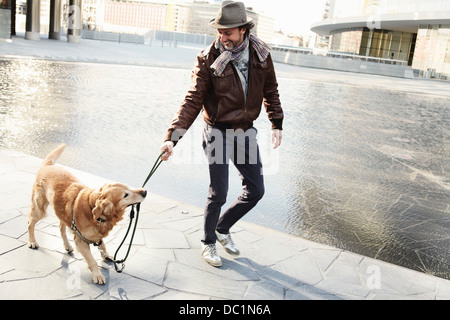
89,213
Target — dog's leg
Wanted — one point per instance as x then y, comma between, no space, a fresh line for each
32,243
37,212
62,229
104,253
85,251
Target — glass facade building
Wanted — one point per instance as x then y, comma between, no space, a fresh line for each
414,31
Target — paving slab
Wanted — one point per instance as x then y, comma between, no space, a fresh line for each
165,261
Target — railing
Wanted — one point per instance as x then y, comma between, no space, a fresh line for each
346,56
175,37
112,36
366,58
150,37
306,51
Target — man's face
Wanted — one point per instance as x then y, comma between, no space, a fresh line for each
231,38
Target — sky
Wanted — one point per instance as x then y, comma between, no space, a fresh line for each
291,16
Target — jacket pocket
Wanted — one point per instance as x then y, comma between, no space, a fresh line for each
261,65
225,82
259,74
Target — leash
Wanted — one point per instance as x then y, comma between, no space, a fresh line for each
132,216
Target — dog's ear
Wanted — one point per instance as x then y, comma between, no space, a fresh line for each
102,206
105,186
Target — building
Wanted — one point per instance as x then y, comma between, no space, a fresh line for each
194,17
415,31
186,17
129,17
264,25
123,16
5,19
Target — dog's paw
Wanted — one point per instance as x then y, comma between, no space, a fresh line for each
33,245
69,249
98,278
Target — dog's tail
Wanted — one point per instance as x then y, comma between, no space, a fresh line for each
53,156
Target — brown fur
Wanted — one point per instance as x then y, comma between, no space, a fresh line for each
59,188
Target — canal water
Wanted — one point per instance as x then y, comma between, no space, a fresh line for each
360,168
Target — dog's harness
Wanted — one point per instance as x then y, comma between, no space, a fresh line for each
132,215
73,226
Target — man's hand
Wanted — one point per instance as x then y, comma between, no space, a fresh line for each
167,148
276,138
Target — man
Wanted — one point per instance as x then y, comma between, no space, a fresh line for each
230,81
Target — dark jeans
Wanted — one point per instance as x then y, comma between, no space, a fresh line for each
221,146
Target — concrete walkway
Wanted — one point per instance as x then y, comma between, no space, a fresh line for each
165,261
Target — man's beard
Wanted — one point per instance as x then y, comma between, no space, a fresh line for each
232,44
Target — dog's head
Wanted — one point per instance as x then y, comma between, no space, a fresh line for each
112,200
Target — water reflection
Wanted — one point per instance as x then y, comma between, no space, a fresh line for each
360,168
27,93
370,161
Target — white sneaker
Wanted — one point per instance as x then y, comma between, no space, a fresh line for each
209,253
228,244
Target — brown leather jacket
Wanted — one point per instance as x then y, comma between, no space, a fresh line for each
222,97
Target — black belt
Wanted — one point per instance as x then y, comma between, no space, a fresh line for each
234,126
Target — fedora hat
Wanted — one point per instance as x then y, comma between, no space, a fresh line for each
231,15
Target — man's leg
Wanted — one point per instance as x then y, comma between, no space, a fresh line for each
250,172
214,146
217,197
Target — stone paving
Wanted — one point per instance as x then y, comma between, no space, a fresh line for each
165,261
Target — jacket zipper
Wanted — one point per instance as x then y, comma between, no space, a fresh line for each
236,75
